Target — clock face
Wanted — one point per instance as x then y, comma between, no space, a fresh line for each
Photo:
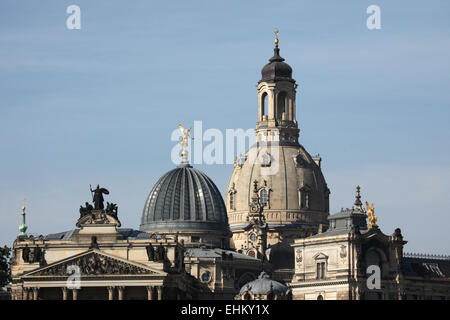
252,237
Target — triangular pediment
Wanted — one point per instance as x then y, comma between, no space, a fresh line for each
319,256
94,263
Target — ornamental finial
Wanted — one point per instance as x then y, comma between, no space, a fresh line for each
358,204
23,227
276,37
371,215
184,142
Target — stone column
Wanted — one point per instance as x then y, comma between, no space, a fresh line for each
111,293
74,294
120,289
64,292
150,295
24,294
159,289
30,294
35,293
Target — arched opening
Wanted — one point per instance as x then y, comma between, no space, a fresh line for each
304,198
231,201
282,102
247,296
263,110
373,258
264,195
320,297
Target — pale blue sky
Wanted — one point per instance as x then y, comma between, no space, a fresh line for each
98,105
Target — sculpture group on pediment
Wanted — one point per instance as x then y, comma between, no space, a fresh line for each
95,264
97,213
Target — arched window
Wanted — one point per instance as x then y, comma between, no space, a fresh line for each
281,105
264,195
247,296
231,198
263,105
373,258
304,198
231,201
320,297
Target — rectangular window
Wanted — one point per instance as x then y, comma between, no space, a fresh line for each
320,273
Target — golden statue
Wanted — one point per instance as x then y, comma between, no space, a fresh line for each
184,142
276,37
371,215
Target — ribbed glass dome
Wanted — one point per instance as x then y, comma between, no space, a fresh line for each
184,199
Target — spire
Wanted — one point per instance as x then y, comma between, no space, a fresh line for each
184,142
276,50
23,227
276,37
358,204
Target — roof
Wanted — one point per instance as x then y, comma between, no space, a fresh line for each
127,233
264,285
217,253
427,267
276,69
344,222
184,199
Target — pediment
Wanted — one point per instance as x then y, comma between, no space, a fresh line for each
94,263
320,256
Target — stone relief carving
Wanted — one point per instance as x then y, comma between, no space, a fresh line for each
94,264
299,257
343,252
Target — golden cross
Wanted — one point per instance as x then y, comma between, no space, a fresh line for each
23,206
276,36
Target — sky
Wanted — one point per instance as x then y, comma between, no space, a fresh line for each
98,105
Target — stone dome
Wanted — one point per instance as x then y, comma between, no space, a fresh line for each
264,285
184,199
296,192
276,69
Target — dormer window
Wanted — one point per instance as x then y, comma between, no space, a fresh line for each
266,160
304,197
231,198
